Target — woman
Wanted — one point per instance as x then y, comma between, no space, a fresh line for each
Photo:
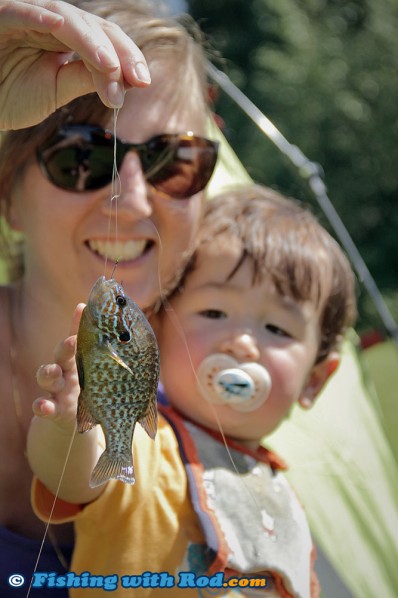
55,188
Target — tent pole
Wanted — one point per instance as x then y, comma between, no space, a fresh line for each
312,172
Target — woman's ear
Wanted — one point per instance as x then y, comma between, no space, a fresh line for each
317,379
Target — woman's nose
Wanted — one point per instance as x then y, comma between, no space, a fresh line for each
242,347
131,190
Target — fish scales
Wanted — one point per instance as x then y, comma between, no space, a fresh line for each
118,364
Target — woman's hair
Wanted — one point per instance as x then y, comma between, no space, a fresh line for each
159,37
286,245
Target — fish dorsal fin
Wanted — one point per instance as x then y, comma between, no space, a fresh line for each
80,369
116,357
85,421
150,421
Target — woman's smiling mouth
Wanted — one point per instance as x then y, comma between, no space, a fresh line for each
123,251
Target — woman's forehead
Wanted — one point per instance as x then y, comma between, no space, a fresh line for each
159,108
178,83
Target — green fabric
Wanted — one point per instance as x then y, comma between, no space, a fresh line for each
3,266
345,474
381,365
341,463
229,171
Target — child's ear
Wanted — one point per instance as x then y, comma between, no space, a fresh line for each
317,379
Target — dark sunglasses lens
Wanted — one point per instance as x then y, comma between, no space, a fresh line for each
79,162
81,157
179,167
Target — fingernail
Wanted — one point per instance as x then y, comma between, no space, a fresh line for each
141,72
115,92
50,19
106,59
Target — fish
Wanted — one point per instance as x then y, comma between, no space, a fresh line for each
118,365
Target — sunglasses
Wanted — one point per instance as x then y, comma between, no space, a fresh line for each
80,158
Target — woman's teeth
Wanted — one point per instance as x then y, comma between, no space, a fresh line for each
123,251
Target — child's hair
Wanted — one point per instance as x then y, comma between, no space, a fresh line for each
287,245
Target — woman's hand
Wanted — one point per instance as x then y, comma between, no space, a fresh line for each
52,52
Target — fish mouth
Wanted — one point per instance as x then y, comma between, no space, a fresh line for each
123,251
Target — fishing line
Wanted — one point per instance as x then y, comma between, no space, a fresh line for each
115,194
180,331
48,523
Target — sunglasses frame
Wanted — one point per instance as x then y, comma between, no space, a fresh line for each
158,172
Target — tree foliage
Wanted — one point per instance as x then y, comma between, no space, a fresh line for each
325,72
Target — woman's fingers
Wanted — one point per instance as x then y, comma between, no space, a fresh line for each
54,52
112,61
16,16
132,61
101,44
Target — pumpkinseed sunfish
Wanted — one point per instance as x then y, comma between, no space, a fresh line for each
118,365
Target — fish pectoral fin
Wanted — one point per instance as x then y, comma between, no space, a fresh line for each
85,421
116,357
150,421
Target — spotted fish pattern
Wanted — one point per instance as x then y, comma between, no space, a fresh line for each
117,360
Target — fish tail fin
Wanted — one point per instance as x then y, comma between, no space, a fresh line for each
117,467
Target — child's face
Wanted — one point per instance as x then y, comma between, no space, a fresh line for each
249,323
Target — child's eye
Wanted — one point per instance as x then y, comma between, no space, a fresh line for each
213,314
277,331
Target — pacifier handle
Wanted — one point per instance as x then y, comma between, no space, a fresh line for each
241,386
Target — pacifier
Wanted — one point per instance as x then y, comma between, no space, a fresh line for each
242,386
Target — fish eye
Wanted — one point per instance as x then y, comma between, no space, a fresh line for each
124,336
120,300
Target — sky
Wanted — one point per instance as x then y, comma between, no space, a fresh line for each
177,6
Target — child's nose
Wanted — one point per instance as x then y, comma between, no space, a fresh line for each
242,347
